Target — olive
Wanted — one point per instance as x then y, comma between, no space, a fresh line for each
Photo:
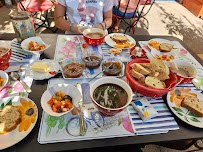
29,112
67,97
59,110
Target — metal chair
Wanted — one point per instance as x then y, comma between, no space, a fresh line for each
137,14
35,7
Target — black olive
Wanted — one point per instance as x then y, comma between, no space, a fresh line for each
59,110
29,112
67,97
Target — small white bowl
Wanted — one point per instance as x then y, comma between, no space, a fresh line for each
68,89
4,75
25,44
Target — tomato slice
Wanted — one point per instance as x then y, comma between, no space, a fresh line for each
58,105
50,101
54,108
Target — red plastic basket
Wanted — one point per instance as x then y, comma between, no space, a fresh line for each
147,91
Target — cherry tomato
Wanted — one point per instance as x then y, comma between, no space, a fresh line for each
84,45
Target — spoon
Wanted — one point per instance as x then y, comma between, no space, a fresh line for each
15,76
177,92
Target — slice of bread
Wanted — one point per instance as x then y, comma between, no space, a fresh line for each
193,104
137,67
150,67
119,38
159,74
160,64
114,51
165,47
136,74
172,65
154,82
10,117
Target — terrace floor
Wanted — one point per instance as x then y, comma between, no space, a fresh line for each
165,18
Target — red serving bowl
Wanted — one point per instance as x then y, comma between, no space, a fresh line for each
134,56
110,111
4,58
147,91
94,41
189,67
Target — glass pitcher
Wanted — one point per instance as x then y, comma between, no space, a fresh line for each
22,24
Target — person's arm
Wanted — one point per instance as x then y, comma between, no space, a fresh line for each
107,19
62,23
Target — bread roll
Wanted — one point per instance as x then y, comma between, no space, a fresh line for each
160,64
114,51
154,82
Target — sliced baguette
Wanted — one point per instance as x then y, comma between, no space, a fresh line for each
165,47
10,117
193,104
150,67
160,64
114,51
137,67
154,82
159,74
136,74
119,38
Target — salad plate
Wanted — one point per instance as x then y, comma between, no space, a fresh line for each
181,112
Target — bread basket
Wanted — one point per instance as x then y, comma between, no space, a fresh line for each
147,91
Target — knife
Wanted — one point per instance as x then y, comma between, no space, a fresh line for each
82,121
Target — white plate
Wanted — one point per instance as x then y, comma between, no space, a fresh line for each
15,136
54,66
184,114
110,42
159,40
25,44
68,89
4,75
154,52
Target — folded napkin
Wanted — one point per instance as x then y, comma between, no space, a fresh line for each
162,123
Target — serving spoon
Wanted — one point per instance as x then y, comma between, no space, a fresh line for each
15,76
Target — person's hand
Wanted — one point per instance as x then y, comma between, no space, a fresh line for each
77,29
98,26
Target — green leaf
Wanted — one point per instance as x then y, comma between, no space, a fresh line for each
194,119
9,103
49,122
52,118
61,125
192,114
53,123
119,121
177,109
180,114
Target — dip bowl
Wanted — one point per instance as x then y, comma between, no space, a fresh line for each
110,80
5,56
93,41
186,71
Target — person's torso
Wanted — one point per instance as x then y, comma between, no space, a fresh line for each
131,6
85,12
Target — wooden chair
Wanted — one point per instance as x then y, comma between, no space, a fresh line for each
37,6
137,14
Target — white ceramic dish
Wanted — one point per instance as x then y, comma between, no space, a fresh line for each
154,52
25,44
109,41
68,89
4,75
159,40
15,135
54,67
184,114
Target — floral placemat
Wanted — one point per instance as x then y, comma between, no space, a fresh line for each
54,129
